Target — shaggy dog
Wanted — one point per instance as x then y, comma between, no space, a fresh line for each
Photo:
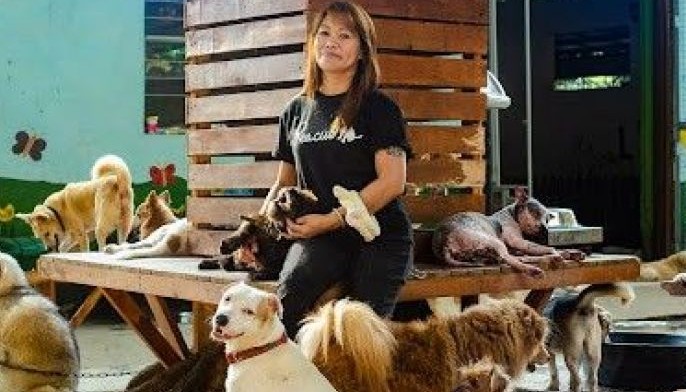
664,269
262,236
102,204
38,352
261,357
163,234
358,351
577,329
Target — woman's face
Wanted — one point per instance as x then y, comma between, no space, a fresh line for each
337,45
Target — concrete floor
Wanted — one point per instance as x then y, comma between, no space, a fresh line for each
111,353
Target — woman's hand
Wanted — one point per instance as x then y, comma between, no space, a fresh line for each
312,225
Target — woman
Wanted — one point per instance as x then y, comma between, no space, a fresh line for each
343,131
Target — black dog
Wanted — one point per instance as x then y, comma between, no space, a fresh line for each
262,236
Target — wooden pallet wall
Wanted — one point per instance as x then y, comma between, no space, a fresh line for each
246,60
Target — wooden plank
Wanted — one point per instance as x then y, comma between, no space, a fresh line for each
431,209
180,278
242,106
250,71
85,308
433,105
467,11
398,70
271,33
463,172
203,12
222,140
253,175
221,211
405,34
401,70
201,328
167,324
142,325
444,140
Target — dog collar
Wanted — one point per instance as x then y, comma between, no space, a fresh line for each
242,355
57,216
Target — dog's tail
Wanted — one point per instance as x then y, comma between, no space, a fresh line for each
587,296
359,333
109,165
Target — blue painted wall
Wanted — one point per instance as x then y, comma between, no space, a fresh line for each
72,72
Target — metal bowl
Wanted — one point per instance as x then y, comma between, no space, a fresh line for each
646,361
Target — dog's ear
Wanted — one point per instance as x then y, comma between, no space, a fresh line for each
152,193
269,307
248,219
308,193
521,194
166,197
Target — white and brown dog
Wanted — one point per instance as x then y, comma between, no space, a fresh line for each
261,358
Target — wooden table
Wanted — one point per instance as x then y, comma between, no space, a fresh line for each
160,278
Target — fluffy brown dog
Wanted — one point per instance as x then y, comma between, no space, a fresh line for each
102,204
664,269
154,212
358,351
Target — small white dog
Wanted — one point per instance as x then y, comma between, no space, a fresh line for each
261,358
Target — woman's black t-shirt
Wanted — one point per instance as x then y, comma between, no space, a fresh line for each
323,158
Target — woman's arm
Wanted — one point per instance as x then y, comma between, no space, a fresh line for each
391,172
285,177
389,184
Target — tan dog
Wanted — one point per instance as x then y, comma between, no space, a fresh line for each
161,232
38,352
102,204
358,351
664,269
261,357
577,329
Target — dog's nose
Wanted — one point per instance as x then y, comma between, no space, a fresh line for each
221,320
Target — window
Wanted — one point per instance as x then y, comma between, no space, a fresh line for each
164,61
596,59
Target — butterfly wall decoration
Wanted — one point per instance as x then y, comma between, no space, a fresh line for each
7,213
29,145
163,176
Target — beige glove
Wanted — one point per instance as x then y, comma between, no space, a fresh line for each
356,214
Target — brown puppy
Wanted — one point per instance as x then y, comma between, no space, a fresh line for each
258,244
577,329
664,269
154,212
358,351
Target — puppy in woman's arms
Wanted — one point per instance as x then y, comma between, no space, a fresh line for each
162,233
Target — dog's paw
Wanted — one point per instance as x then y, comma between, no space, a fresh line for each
209,264
111,248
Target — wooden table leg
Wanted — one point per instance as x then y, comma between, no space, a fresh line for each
86,307
202,313
537,299
129,310
167,325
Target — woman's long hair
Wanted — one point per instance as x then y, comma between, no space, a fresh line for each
366,75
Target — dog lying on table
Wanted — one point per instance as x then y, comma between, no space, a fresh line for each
474,239
358,351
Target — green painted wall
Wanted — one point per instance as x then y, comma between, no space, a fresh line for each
72,73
